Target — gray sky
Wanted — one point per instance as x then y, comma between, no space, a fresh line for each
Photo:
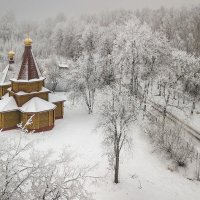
41,9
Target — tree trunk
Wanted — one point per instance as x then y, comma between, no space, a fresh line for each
151,81
178,99
164,90
54,86
135,85
132,81
116,176
131,85
89,100
193,108
183,99
164,117
174,95
160,90
89,110
144,111
158,85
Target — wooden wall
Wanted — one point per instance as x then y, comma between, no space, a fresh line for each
59,111
9,120
41,121
3,89
22,99
27,86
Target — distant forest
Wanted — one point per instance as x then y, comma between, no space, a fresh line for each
149,46
61,35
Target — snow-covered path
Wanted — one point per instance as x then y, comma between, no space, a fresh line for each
143,175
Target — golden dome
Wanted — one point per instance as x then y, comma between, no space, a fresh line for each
11,54
28,41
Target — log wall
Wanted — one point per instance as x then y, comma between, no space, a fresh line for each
41,121
59,111
9,120
22,99
27,86
3,89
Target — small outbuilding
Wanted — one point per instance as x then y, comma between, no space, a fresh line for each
8,73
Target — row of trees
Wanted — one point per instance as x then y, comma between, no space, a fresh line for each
180,26
100,37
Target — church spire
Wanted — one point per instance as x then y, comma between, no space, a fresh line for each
29,69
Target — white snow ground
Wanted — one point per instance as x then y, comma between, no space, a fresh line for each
143,175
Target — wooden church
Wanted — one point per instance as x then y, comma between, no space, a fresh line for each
23,95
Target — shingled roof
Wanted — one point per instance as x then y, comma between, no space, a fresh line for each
29,69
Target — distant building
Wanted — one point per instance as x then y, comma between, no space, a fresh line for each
64,68
61,67
27,97
8,73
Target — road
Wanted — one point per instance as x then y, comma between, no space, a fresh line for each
155,110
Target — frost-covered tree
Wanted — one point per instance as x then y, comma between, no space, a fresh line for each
105,49
185,68
180,26
7,26
127,50
84,78
14,172
118,112
29,174
52,72
141,52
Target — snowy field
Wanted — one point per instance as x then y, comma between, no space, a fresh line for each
143,174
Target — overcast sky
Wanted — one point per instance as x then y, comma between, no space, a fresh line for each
41,9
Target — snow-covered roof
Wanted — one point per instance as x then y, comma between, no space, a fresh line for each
8,73
37,105
4,74
8,104
26,81
55,98
63,65
6,95
25,93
